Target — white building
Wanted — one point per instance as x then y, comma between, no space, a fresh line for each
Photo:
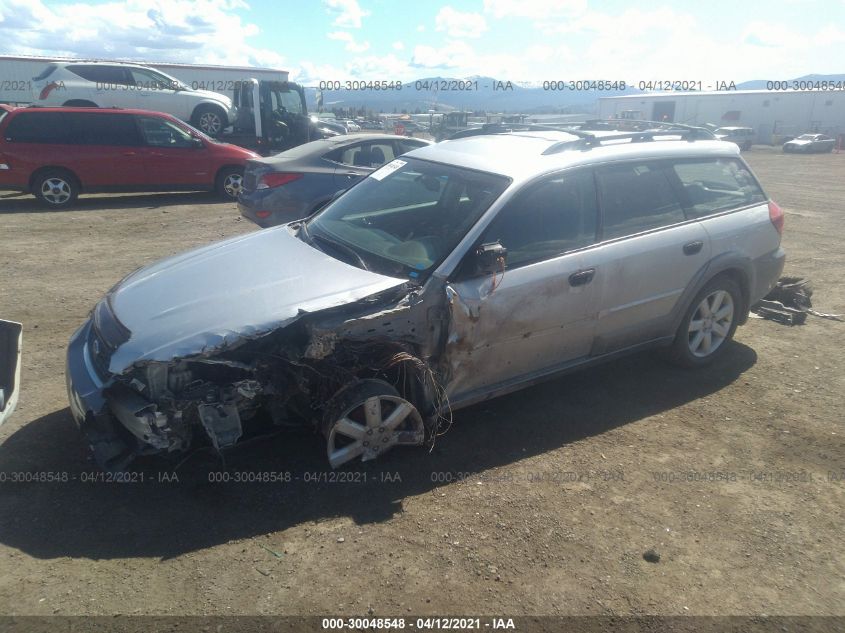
16,73
772,114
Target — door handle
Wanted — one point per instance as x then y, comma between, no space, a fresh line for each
691,248
582,277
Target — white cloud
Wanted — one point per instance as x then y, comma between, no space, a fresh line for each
453,55
398,46
349,12
351,45
371,67
421,27
149,30
537,9
459,23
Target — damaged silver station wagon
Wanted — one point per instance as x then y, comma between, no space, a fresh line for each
453,274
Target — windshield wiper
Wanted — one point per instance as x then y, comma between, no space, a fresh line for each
342,247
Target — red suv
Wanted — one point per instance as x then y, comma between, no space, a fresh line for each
56,153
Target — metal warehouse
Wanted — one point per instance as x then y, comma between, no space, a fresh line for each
773,114
16,73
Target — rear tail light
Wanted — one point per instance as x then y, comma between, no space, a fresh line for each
776,216
46,90
275,179
263,214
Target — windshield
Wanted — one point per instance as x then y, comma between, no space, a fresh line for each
405,218
807,137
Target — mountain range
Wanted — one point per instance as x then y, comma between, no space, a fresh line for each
491,95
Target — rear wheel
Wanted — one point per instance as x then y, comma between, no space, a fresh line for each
230,182
708,325
56,188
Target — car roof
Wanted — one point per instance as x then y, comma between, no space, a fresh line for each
82,62
99,111
520,155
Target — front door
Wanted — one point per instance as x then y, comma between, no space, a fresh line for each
538,312
172,155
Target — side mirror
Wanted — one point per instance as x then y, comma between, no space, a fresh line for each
197,143
490,259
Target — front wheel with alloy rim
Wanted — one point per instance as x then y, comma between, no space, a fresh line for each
366,419
230,182
55,188
708,325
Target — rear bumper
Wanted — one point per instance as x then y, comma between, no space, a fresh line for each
279,209
767,271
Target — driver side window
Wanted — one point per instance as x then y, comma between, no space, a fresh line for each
163,133
548,218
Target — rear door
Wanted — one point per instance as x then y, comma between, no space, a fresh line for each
107,150
172,156
107,86
651,252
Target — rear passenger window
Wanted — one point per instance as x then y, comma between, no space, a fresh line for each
103,74
636,197
550,218
717,184
103,129
368,155
38,127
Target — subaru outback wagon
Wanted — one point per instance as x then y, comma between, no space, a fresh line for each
455,273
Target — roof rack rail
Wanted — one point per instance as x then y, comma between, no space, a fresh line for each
686,133
507,128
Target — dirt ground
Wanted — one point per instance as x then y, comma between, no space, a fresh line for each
541,502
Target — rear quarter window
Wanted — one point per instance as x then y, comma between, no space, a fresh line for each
714,185
38,127
102,74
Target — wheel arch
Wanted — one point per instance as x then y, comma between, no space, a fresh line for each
207,103
79,103
37,173
225,167
734,266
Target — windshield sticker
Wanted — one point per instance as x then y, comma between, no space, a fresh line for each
389,168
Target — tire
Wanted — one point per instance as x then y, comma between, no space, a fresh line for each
56,188
701,338
230,182
209,119
79,103
354,431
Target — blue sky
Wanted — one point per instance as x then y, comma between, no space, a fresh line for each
520,40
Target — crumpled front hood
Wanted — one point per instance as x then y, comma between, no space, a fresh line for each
209,298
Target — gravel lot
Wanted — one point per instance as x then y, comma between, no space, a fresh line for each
541,502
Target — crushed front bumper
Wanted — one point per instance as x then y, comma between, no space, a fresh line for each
113,448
